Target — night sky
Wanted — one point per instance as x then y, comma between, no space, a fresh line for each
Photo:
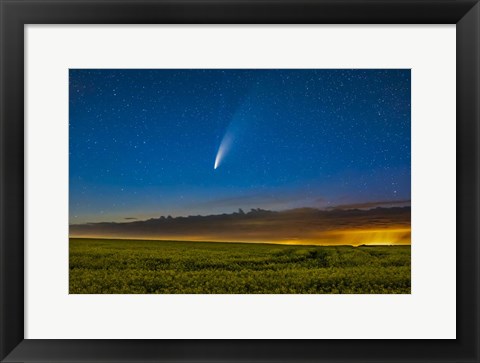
144,143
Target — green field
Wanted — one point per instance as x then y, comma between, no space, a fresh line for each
101,266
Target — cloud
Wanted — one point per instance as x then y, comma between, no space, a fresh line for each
130,218
300,226
371,205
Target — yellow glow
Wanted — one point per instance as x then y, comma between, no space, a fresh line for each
353,237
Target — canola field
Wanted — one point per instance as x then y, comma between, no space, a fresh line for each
103,266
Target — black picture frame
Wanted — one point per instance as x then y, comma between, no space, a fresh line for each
16,13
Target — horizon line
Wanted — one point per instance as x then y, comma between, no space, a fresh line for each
286,243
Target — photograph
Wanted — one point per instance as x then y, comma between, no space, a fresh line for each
239,181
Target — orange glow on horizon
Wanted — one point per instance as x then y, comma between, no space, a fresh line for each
400,235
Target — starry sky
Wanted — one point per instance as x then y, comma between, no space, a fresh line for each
145,143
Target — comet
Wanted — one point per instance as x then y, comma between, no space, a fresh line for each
223,149
235,130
